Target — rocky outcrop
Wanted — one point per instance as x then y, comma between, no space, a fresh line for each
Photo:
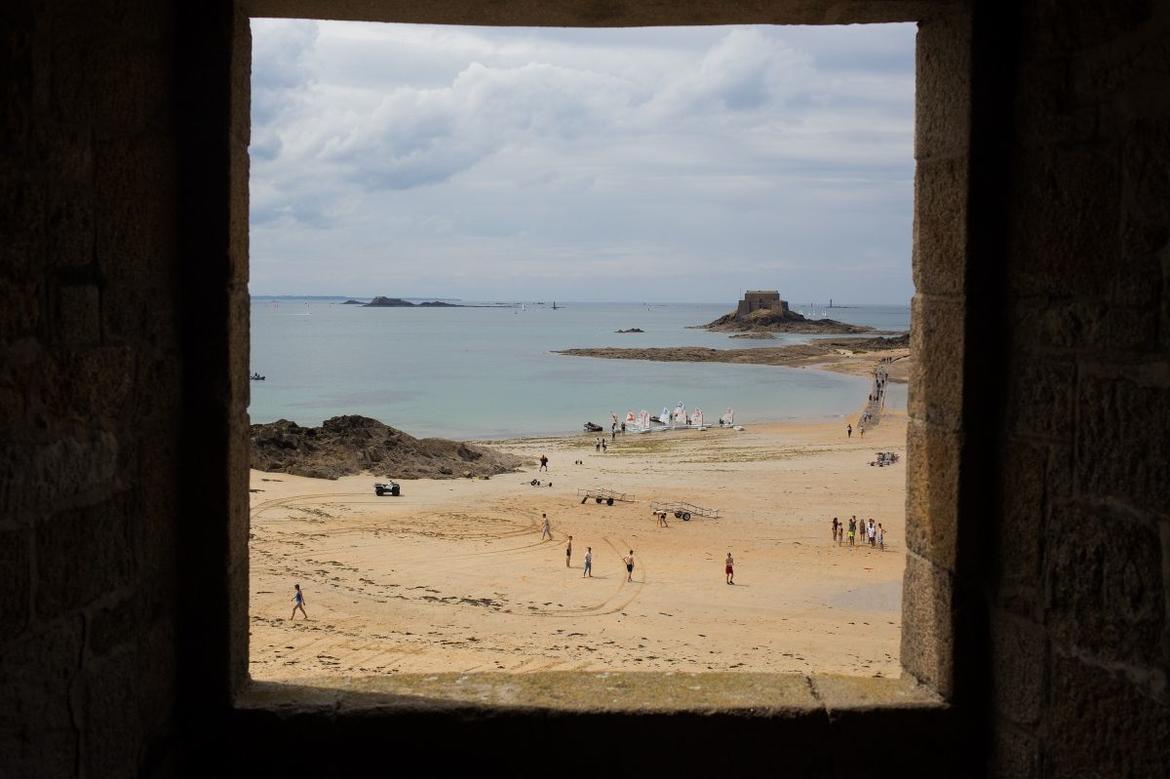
816,352
347,445
631,330
760,335
780,321
352,302
383,302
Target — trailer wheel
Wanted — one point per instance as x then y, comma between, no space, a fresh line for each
686,517
599,501
609,502
678,515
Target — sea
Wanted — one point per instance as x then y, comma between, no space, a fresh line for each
490,371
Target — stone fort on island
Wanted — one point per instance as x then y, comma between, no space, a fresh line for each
761,299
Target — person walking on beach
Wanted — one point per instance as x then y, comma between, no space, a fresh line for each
543,463
629,561
588,563
729,568
849,431
881,538
569,553
836,527
872,533
298,602
852,529
604,448
597,444
545,530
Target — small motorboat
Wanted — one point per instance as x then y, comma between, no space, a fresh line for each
592,428
257,377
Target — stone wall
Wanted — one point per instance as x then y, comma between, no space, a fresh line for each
90,387
1039,575
1077,568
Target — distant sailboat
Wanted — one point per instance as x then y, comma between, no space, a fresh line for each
554,305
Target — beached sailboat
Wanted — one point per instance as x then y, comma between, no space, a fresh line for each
668,419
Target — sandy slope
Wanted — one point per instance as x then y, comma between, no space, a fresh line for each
452,576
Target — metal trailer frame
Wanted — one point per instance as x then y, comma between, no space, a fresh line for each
683,510
603,495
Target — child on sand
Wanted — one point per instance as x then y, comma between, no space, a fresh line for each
729,569
629,561
588,562
298,602
569,553
545,530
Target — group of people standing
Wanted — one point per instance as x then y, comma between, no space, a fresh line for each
546,533
849,532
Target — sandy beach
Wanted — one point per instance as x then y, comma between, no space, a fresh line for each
452,576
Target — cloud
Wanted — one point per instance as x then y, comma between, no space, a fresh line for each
559,155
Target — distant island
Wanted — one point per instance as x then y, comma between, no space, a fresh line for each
384,302
352,302
631,330
762,311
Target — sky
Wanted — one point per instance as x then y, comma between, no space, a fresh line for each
640,165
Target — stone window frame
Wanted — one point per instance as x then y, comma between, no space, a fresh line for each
940,334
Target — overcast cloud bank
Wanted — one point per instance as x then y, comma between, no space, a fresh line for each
649,164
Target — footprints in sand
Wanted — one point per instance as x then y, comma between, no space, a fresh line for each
454,607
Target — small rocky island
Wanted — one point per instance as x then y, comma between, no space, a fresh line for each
347,445
631,330
762,311
352,302
384,302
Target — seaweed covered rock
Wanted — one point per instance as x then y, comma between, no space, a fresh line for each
352,444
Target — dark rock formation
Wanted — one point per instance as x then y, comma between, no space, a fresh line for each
382,302
631,330
440,304
352,302
762,335
352,444
780,321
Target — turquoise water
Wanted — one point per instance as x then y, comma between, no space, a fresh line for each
490,372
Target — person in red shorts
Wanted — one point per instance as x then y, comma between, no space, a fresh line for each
729,568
